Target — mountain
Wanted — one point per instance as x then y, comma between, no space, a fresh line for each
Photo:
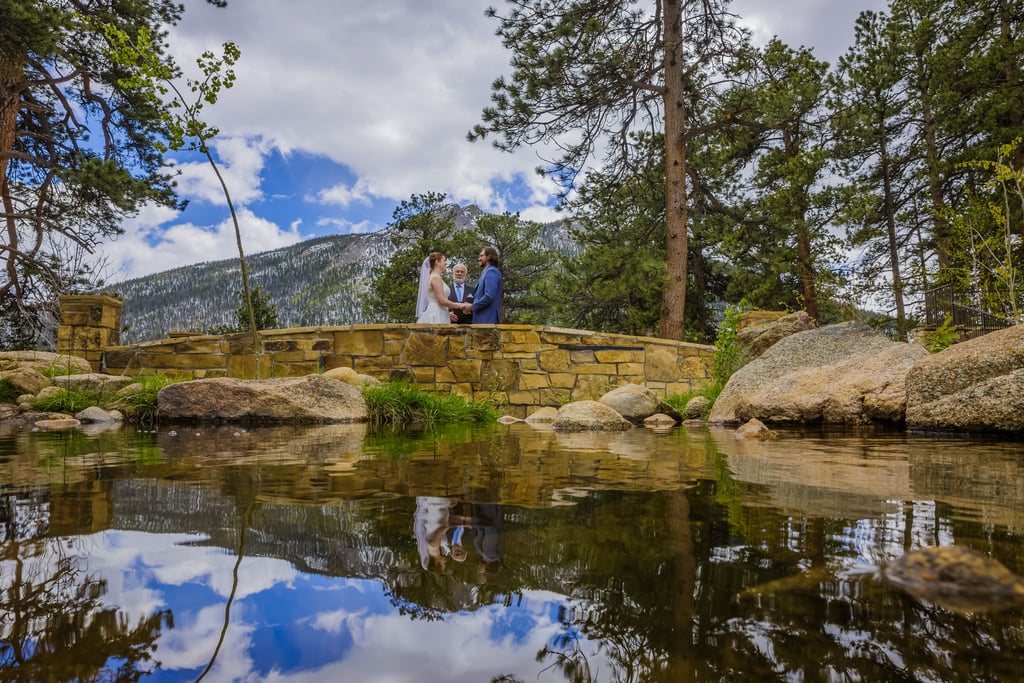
322,281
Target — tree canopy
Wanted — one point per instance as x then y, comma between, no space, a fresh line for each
79,148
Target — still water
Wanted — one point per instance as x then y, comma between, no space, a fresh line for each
499,553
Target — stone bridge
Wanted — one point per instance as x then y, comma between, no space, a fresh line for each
520,366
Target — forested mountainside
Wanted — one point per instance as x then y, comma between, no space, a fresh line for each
318,282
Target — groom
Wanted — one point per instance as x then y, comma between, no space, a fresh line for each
486,306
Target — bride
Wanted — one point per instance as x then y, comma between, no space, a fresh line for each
432,303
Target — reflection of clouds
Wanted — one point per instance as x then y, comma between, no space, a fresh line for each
190,646
462,647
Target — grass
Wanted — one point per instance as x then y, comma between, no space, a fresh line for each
8,392
398,405
70,400
711,392
141,406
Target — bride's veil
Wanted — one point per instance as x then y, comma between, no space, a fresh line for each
421,296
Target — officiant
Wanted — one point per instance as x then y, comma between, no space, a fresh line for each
462,292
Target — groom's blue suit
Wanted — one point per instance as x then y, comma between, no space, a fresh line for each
487,299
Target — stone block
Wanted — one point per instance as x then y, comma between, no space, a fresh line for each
329,361
393,347
499,375
379,366
590,387
595,369
662,363
295,369
185,361
466,370
521,337
632,370
280,345
693,368
425,349
534,380
563,380
359,342
423,375
616,356
483,339
553,396
444,375
288,356
581,356
522,398
244,366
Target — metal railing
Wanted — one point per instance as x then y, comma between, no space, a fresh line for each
970,322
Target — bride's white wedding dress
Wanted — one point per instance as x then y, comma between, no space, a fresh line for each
434,312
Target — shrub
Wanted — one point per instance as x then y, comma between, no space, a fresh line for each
944,336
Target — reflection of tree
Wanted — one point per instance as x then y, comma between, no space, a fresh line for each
54,627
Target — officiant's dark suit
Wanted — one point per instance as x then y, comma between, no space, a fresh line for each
462,292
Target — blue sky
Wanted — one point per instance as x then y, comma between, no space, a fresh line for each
343,109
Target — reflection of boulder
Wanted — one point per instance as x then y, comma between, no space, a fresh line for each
838,374
974,386
309,399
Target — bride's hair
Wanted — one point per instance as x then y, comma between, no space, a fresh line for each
435,256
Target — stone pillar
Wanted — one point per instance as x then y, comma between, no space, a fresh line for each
88,324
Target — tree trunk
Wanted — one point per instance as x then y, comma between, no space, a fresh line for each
673,302
12,84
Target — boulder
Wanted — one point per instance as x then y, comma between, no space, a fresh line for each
347,375
44,362
632,401
95,414
697,407
659,421
545,415
311,399
754,429
589,415
753,341
838,374
973,386
25,379
58,423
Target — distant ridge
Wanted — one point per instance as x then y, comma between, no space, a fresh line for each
322,281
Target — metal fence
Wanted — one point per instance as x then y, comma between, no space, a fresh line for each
944,302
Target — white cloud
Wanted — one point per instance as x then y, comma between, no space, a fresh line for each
239,161
343,194
149,247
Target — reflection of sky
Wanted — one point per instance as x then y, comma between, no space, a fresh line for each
290,626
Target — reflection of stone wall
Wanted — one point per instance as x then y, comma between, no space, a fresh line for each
522,366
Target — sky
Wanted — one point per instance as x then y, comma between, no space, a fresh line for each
342,109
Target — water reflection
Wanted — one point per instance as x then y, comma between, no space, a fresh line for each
504,553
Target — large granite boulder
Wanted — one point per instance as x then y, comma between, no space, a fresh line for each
636,402
974,386
310,399
755,340
837,374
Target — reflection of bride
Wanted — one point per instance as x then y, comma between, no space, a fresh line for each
432,302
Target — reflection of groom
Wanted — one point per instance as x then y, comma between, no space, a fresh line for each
486,307
462,292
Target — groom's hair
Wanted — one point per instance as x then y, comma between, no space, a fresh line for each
492,256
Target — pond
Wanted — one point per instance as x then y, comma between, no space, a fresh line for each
497,553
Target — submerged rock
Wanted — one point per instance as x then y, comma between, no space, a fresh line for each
589,415
957,578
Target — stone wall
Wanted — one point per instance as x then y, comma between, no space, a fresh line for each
520,366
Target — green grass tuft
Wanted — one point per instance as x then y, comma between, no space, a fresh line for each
398,405
8,392
69,400
141,406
